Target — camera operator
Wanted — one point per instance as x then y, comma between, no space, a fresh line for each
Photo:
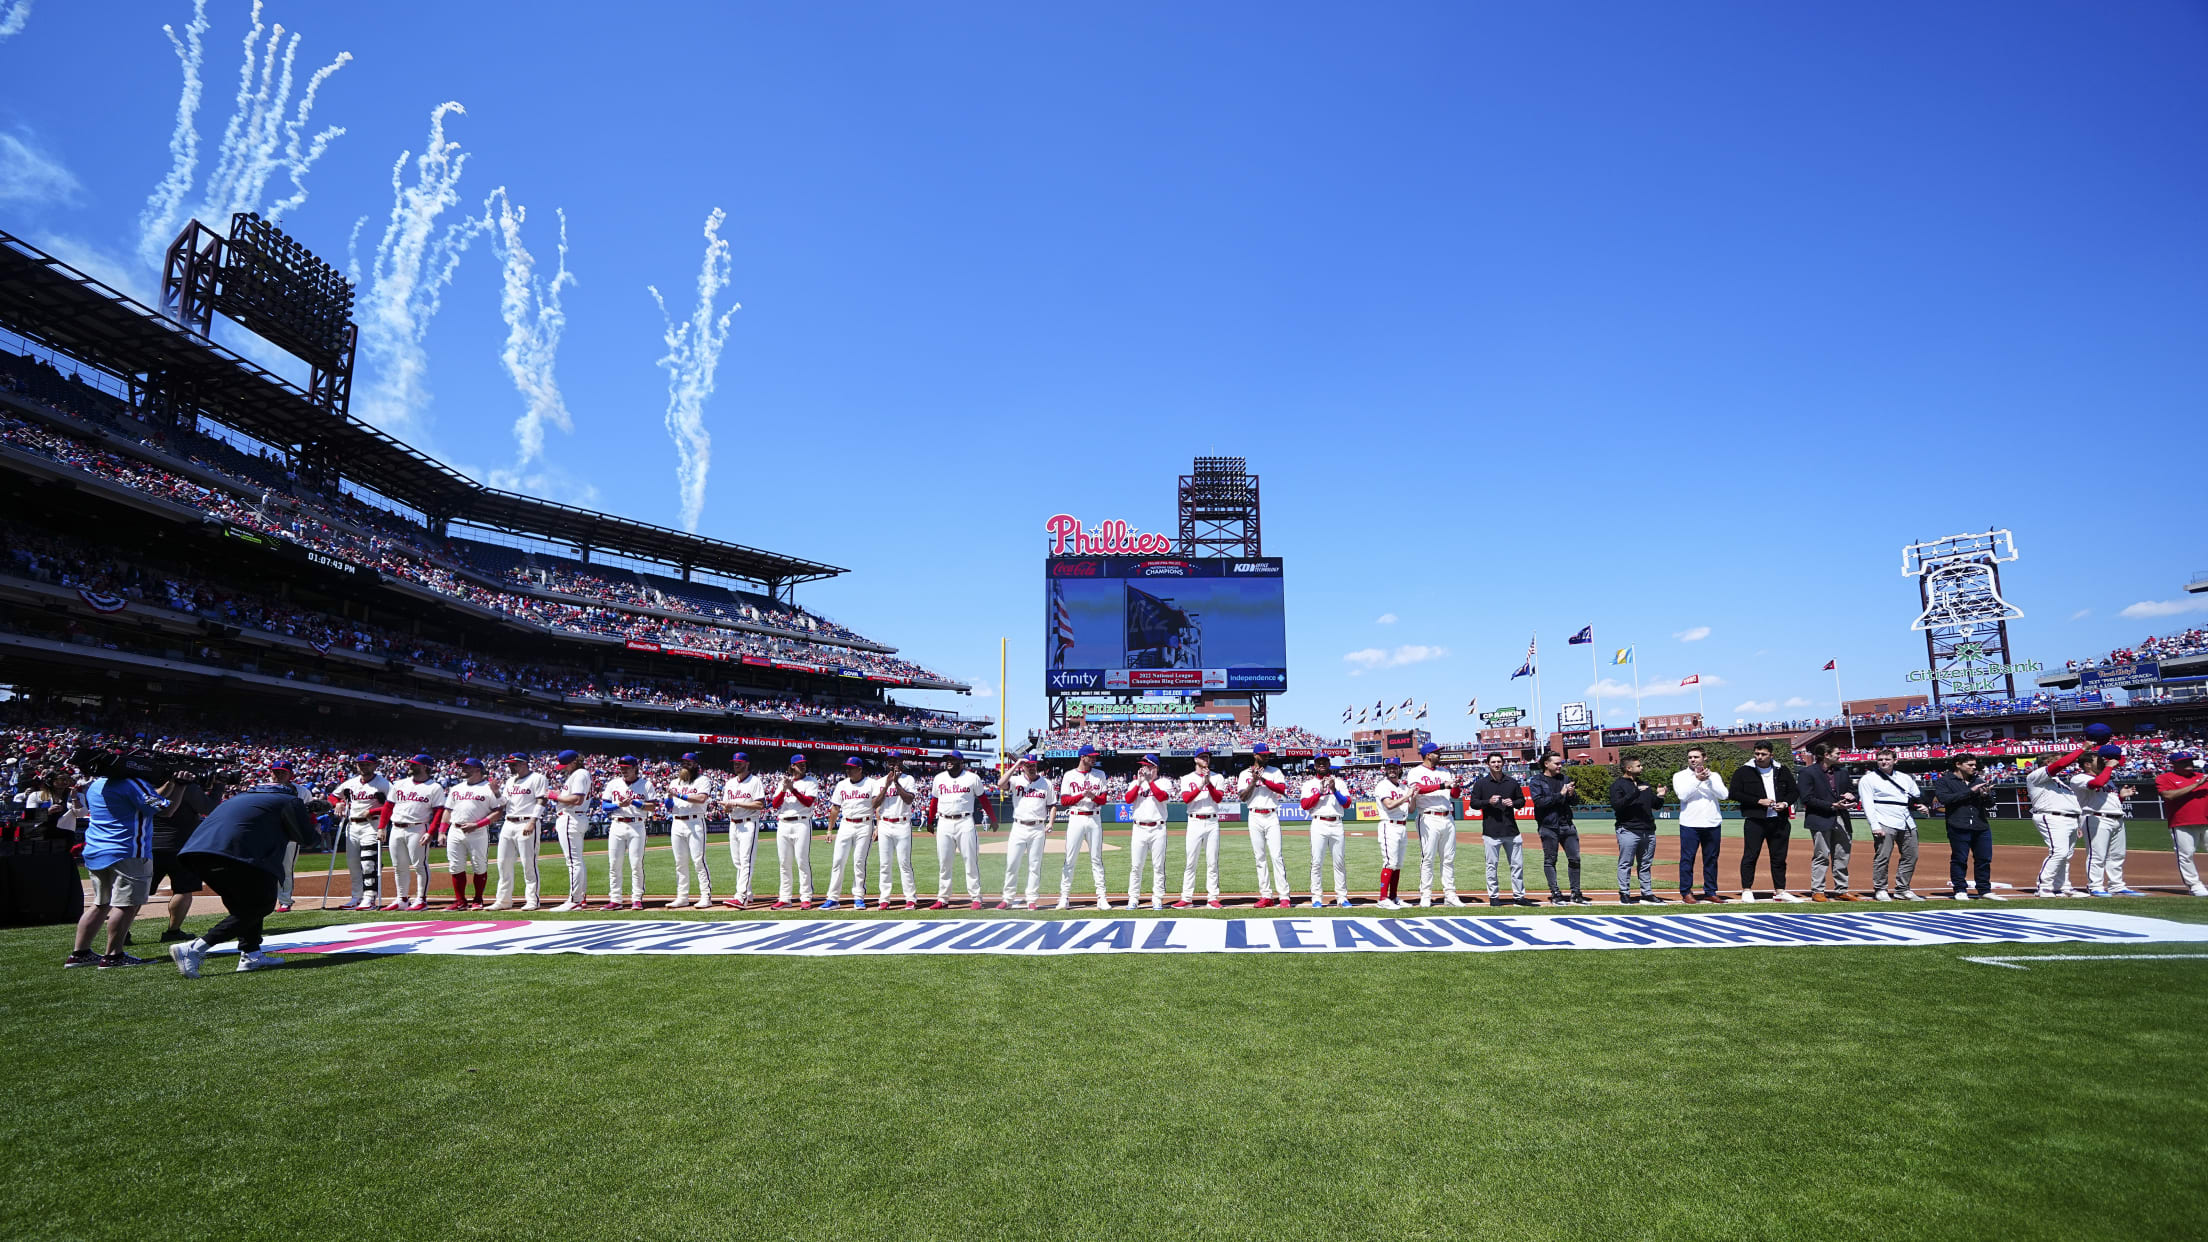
118,851
189,802
240,850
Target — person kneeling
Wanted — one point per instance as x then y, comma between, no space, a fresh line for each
238,851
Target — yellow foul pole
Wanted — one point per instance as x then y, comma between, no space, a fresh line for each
1001,697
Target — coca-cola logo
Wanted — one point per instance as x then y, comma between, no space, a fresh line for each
1075,569
1068,538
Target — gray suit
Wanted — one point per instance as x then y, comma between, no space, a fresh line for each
1831,833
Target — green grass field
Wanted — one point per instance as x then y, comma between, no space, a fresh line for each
1771,1092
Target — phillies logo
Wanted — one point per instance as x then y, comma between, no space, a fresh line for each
1067,538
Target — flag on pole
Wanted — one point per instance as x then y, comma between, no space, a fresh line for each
1585,635
1347,713
1472,708
1624,656
1524,670
1421,712
1360,715
1691,679
1831,666
1061,624
1406,705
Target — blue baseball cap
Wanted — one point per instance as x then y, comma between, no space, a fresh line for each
2184,756
797,758
739,757
424,760
1152,760
364,759
690,756
1086,749
2110,751
854,762
569,756
2099,732
471,763
517,757
1261,749
956,755
279,765
1428,748
627,761
1205,751
1391,762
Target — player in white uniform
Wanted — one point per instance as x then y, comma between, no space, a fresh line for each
1393,793
744,798
851,804
470,806
2055,813
1149,795
896,799
363,803
573,824
628,807
791,798
1326,797
417,811
1261,787
2101,812
958,802
1033,808
689,795
1081,793
1433,814
1201,792
523,799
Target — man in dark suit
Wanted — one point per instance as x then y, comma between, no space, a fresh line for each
239,851
1827,795
1766,793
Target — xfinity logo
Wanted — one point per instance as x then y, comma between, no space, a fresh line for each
1076,678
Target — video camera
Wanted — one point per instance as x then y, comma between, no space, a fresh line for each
151,766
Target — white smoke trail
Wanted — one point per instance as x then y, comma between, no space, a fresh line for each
534,322
406,279
693,355
259,140
12,17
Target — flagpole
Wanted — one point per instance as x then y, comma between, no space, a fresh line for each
1595,670
1700,709
1843,705
1534,646
1003,698
1634,650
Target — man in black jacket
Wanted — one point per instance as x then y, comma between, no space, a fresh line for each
1827,796
1634,802
1554,796
1766,794
239,851
1968,803
1498,796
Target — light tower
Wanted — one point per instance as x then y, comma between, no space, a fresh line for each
1965,620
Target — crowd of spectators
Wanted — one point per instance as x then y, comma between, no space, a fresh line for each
2164,647
1168,736
544,573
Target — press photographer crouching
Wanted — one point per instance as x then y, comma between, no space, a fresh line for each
239,851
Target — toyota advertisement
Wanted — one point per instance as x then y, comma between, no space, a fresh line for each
1132,623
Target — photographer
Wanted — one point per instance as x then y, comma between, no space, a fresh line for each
118,851
240,850
189,803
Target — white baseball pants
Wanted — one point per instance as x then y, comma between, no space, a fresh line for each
1083,831
2104,851
743,853
517,841
954,834
364,861
2186,841
625,844
688,838
854,842
410,863
2060,832
570,827
1023,849
894,844
793,853
1202,838
1437,841
1393,832
1265,843
468,851
1326,838
1148,843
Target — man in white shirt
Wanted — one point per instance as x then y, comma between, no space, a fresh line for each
851,812
689,799
1393,793
791,798
470,806
518,833
896,799
628,806
2055,814
1702,794
958,802
1147,796
573,825
744,798
417,809
1891,802
1033,802
2101,812
363,803
1261,787
1326,797
1201,792
1081,792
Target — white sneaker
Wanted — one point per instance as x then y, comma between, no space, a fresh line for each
704,903
1133,903
527,905
1999,897
1783,895
1961,894
1747,895
1157,903
1425,902
500,904
563,906
1064,903
187,958
1103,903
2045,893
1453,900
1389,903
258,960
1907,894
418,904
2199,892
1880,895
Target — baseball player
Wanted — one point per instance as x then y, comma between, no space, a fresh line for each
364,802
689,792
1433,814
745,800
470,806
1394,794
2055,814
851,804
1202,790
522,801
628,806
417,812
1261,787
957,801
573,824
1326,797
1033,800
1148,796
896,796
1081,793
2101,811
2184,791
791,799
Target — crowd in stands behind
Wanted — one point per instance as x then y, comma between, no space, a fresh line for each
2191,642
1220,737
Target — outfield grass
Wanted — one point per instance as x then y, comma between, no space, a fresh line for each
1752,1092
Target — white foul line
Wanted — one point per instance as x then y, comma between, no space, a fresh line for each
2009,963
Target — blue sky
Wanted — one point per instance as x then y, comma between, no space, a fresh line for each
1680,320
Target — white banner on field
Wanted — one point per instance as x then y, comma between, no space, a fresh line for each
1318,934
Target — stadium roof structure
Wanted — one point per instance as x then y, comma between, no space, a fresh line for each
46,300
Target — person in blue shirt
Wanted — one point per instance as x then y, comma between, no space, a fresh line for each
118,851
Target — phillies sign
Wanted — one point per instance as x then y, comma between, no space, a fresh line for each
1067,538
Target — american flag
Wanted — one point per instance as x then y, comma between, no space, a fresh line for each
1061,625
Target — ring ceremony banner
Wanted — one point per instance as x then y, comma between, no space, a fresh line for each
1317,934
